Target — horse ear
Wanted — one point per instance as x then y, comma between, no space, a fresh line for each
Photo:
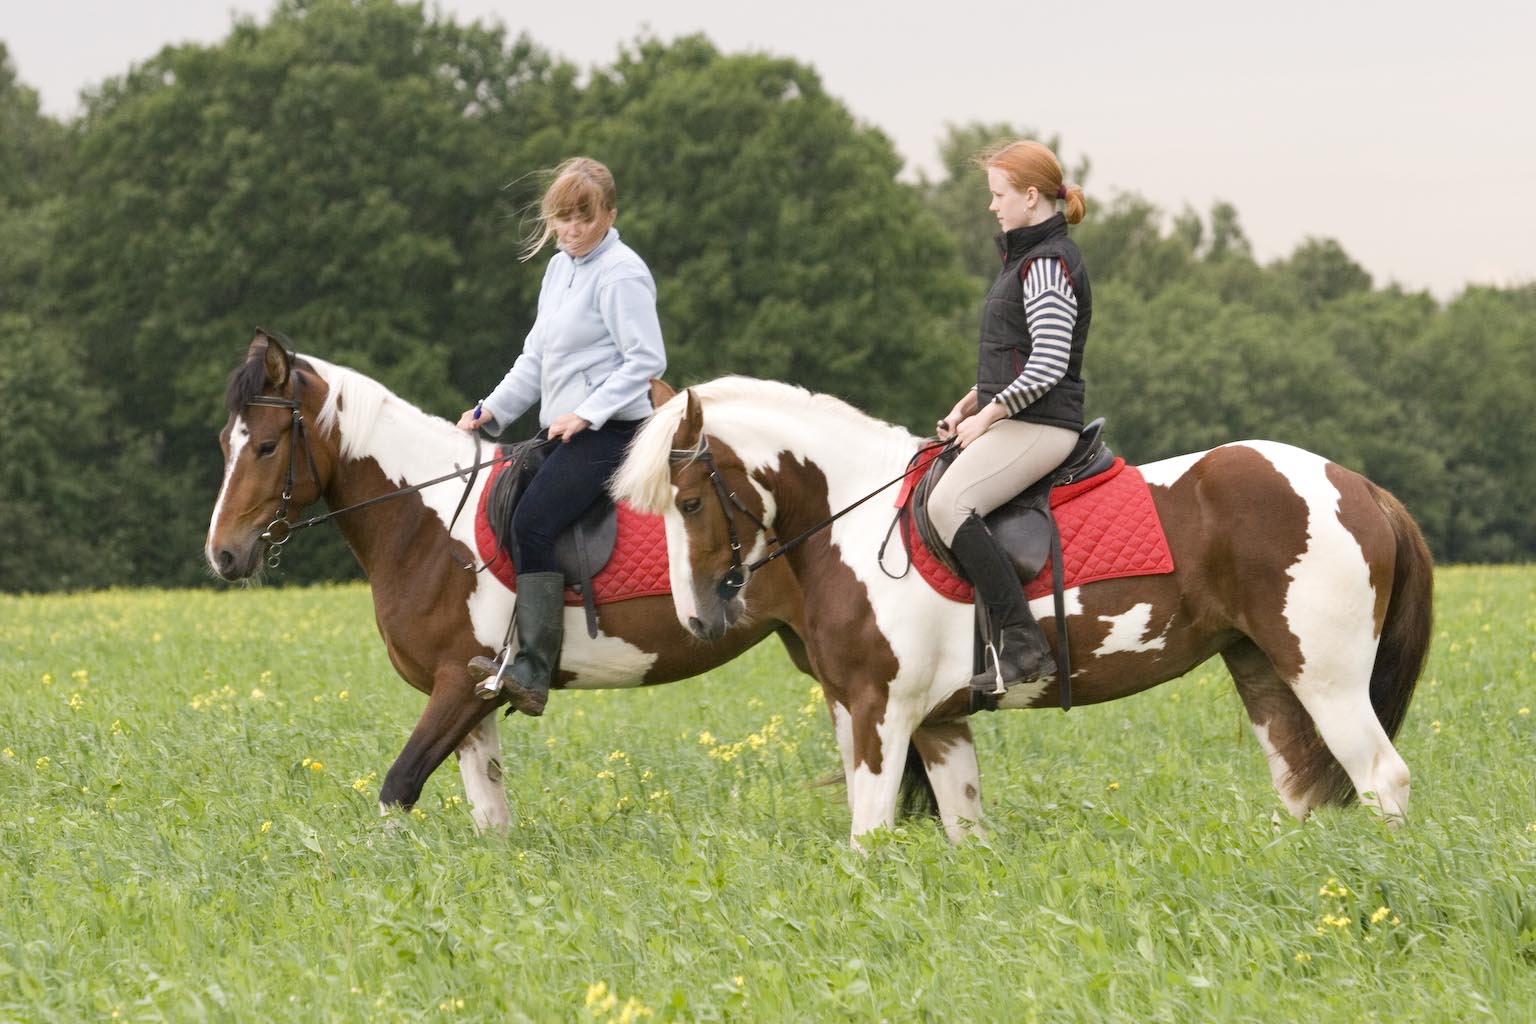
277,359
661,392
692,426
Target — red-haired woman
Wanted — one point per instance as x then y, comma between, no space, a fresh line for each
587,362
1024,415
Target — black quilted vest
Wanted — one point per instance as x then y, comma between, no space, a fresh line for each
1005,342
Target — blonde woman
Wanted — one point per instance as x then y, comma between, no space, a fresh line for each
587,362
1024,415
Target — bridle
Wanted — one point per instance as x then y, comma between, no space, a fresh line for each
739,573
281,527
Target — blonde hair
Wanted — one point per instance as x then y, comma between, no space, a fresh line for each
1029,163
580,189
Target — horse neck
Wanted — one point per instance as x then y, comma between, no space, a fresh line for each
817,462
396,448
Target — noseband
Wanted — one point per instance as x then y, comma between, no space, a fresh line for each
280,528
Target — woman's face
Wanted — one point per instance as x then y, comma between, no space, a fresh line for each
1014,209
579,236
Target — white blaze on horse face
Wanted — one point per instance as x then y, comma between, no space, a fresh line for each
679,567
239,434
1128,630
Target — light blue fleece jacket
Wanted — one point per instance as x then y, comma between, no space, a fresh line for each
595,343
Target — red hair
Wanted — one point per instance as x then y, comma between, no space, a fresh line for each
1030,164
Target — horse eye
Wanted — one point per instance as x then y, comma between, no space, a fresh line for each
266,448
690,505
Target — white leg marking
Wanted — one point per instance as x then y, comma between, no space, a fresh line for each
957,785
1279,771
842,728
480,768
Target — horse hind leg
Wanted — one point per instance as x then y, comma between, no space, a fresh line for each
1332,690
1303,771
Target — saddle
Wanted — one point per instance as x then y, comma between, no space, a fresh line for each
1025,528
581,550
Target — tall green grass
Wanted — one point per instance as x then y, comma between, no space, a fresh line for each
189,830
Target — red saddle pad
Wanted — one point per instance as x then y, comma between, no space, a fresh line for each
638,567
1109,529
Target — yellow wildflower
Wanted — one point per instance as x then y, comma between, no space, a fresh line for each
117,727
1435,725
618,755
343,695
266,827
1523,711
1303,958
707,738
256,693
418,814
11,753
43,763
1113,786
1380,913
633,1010
317,766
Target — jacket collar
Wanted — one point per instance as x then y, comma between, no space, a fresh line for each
608,242
1013,244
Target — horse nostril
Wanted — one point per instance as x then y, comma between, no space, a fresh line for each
226,560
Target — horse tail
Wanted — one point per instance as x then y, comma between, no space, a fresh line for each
916,798
1404,644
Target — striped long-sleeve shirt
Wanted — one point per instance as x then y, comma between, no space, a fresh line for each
1050,310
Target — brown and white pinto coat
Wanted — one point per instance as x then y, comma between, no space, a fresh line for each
1313,584
433,614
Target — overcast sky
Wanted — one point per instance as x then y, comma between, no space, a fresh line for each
1405,130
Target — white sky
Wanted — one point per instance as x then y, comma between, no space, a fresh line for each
1404,130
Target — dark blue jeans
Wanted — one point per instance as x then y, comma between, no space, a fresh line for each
571,478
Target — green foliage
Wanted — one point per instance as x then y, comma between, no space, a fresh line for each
191,832
359,174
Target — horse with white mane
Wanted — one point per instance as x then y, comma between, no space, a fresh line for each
1311,582
363,451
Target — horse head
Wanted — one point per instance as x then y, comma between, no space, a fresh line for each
717,514
272,465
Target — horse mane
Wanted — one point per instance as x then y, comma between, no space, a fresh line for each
353,405
738,410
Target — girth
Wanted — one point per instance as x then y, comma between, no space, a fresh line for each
581,550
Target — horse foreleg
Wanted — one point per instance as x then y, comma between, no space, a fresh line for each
480,768
452,713
879,740
949,757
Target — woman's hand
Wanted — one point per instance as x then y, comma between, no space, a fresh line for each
472,419
963,408
973,427
567,426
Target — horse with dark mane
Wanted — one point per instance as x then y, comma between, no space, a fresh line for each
1312,583
302,430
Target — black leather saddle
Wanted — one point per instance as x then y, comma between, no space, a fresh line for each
582,549
1023,526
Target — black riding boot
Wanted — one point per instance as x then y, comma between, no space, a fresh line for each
540,617
1018,651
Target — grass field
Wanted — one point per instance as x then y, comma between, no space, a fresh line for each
189,831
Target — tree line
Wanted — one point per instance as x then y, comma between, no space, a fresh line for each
360,175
